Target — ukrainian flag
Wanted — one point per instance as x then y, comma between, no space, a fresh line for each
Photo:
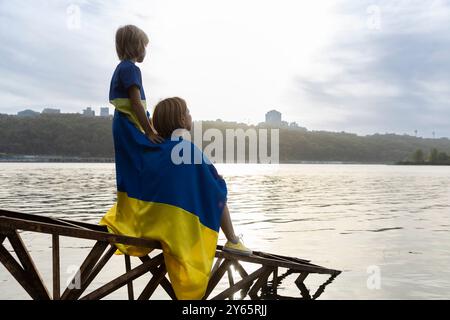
179,205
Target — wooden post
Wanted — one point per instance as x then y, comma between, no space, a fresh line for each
56,268
129,284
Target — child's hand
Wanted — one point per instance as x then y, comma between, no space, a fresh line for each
155,138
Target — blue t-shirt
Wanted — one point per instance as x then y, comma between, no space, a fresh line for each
126,75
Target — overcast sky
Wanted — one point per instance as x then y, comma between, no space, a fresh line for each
354,66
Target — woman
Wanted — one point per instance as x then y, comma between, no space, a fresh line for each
182,205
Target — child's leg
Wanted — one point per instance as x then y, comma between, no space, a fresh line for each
227,226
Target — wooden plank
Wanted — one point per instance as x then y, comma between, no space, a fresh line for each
167,286
153,283
84,272
277,263
16,270
262,280
28,265
273,256
56,268
129,284
13,223
216,276
239,285
123,279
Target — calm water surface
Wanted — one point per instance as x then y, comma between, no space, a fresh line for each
366,220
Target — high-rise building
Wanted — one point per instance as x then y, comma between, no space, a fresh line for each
89,112
273,117
104,112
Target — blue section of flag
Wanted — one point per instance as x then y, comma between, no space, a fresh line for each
145,171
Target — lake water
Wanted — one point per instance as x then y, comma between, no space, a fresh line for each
386,227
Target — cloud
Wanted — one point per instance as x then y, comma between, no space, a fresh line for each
392,79
359,66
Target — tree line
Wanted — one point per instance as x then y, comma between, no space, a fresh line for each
75,135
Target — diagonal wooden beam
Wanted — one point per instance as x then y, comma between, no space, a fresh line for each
321,289
153,283
262,280
84,272
18,273
216,276
123,279
240,269
167,286
239,285
302,287
28,264
216,265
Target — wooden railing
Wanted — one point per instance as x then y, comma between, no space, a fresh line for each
255,285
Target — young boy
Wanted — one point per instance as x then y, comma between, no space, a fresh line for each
126,90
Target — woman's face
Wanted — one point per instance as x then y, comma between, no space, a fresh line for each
187,120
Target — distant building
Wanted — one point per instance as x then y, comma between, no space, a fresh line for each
273,118
27,113
104,112
89,112
293,125
51,111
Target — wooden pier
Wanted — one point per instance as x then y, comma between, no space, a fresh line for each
259,284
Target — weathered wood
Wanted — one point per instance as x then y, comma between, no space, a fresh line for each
167,286
239,285
302,287
216,265
56,268
27,275
123,279
84,271
38,218
262,280
13,223
230,279
275,281
216,276
129,284
240,269
28,264
322,287
153,283
16,270
89,275
277,263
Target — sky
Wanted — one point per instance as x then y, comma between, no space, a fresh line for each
355,66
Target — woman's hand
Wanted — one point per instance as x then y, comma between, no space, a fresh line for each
154,138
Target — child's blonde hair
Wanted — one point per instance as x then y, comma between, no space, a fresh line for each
130,42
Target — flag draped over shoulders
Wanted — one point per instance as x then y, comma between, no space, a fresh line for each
179,205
